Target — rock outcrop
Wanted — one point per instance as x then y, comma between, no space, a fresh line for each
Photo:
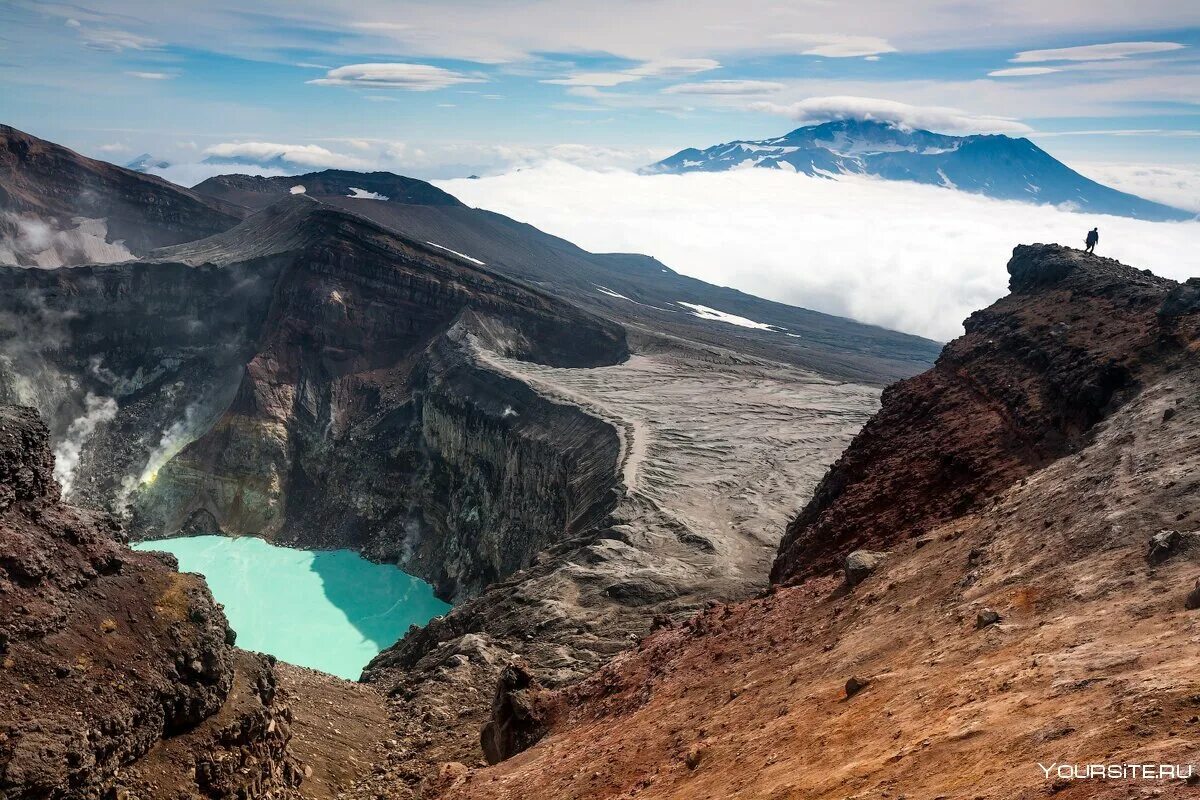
106,653
1026,384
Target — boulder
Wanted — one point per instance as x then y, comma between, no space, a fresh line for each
1163,545
860,564
1192,601
985,618
517,722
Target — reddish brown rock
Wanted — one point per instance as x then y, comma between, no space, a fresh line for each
1026,383
107,651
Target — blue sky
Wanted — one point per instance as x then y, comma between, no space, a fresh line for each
438,89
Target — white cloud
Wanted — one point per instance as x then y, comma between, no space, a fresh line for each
659,68
410,77
674,67
269,153
150,76
391,27
1097,52
731,87
833,45
1176,186
112,40
910,257
594,79
113,147
1020,72
947,120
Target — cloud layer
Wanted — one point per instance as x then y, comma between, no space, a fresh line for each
946,120
910,257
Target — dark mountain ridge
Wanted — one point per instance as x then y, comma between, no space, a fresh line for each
69,209
633,289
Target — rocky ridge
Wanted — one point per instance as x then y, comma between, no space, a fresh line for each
59,208
986,640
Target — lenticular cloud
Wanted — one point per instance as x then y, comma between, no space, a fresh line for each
910,257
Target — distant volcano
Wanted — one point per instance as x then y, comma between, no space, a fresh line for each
993,165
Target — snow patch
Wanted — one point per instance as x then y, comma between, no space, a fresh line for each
704,312
455,252
363,194
610,292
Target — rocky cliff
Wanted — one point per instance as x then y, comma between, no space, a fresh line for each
361,420
111,662
1033,374
307,377
1028,609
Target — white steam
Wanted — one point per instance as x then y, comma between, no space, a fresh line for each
97,411
176,436
903,255
32,241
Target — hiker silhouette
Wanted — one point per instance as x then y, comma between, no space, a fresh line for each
1093,238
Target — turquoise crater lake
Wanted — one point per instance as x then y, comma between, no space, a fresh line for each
331,610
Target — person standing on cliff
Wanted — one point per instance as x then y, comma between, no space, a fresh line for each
1093,238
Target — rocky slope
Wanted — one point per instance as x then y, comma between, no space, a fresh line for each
1023,387
1046,619
706,488
117,673
637,291
58,207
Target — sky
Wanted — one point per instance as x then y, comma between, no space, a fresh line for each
447,88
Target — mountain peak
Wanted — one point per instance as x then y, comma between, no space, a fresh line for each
994,165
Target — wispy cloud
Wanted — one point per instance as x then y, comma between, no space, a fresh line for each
834,45
112,40
409,77
661,68
947,120
1021,72
1097,52
729,87
150,76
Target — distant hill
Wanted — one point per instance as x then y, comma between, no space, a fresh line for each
993,165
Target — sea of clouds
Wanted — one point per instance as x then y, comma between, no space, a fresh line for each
906,256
